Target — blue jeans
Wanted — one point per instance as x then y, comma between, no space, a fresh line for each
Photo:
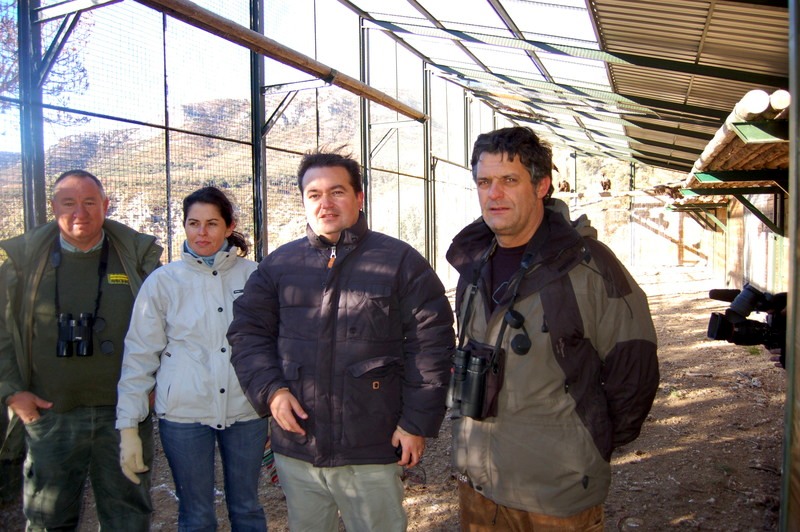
189,448
65,448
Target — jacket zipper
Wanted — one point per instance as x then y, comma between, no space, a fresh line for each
333,256
331,414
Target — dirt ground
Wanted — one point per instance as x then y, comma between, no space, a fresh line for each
709,456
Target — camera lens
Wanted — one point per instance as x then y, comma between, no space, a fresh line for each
719,328
746,302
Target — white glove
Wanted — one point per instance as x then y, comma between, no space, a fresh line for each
131,458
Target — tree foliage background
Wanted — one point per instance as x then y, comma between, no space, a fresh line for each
67,75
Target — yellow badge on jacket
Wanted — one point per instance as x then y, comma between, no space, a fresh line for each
117,278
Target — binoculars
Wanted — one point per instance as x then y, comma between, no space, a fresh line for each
75,336
467,385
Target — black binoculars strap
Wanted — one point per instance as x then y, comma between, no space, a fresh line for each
101,272
473,289
513,287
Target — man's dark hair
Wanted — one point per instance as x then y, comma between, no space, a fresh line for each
534,154
319,159
83,174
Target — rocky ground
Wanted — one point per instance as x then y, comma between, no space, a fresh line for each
709,456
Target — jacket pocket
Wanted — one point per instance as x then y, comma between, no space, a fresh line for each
164,377
182,386
370,313
292,374
372,401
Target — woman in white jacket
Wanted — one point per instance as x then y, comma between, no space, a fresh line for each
176,344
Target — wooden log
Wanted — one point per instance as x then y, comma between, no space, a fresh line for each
778,157
753,156
751,106
751,159
780,100
727,151
737,157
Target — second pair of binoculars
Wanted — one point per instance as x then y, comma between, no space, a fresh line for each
75,335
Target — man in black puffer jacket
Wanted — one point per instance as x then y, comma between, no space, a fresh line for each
345,338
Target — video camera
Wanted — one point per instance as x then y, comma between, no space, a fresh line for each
733,325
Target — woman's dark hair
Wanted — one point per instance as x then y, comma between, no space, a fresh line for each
214,196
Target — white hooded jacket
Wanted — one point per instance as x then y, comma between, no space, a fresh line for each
176,343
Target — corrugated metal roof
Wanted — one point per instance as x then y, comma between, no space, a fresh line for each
648,81
731,36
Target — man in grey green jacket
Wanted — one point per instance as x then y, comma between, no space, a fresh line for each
556,362
67,291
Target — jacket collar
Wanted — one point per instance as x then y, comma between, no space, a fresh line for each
223,260
349,237
551,244
27,247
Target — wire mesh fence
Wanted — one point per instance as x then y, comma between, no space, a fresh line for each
160,109
157,108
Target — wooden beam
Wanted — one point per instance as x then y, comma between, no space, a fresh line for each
209,21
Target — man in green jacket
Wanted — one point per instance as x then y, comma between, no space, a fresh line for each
68,288
556,362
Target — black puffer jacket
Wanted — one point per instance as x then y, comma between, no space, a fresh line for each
364,345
